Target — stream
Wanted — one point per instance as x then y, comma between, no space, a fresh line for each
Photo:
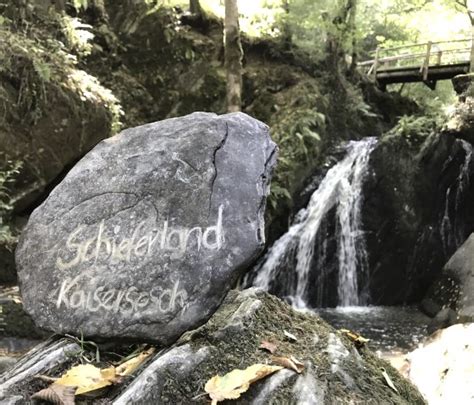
390,329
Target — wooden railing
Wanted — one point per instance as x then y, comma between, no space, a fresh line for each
424,55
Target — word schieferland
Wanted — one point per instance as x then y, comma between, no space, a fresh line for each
139,244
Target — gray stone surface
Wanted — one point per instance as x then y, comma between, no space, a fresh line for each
335,372
455,287
148,232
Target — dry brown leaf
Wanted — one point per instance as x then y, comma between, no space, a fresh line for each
290,363
355,337
389,381
269,346
128,367
87,378
236,382
56,394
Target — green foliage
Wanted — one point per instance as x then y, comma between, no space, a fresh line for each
78,35
415,129
297,128
314,24
12,168
80,5
431,101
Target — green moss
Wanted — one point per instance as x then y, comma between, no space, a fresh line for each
238,347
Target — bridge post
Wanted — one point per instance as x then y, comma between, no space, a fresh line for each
426,64
471,58
376,63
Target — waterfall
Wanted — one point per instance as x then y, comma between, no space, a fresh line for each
303,248
451,228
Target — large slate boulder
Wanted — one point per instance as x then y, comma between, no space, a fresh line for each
148,232
454,288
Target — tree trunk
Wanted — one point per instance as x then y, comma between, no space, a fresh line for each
233,56
287,37
353,33
195,7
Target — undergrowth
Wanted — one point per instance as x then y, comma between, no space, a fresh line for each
35,65
415,129
298,128
7,175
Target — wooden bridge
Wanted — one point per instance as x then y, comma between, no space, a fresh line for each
427,63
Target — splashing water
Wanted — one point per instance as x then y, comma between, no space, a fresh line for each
341,188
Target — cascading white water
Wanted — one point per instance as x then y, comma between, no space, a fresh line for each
451,234
340,188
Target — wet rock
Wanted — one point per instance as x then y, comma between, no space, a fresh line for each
444,318
430,307
147,233
461,83
52,118
416,212
335,371
442,368
454,288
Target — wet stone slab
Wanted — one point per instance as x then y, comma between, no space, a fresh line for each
148,232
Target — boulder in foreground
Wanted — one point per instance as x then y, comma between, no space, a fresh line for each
335,370
442,368
150,230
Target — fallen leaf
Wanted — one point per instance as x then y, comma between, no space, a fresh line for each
355,337
269,346
290,363
87,378
236,382
129,367
56,394
388,380
290,336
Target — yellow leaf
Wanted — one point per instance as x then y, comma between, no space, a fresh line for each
87,378
355,337
131,365
236,382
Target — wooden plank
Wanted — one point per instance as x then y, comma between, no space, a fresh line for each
375,66
421,44
414,56
417,69
412,75
426,63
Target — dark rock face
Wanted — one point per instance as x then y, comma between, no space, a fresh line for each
417,211
454,288
461,83
147,233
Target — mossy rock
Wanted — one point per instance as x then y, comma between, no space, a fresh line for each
336,370
53,112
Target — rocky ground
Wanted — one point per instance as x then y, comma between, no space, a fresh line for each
336,368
